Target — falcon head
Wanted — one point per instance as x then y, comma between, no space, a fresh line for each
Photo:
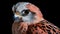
27,13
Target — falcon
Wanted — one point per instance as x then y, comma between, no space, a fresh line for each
28,19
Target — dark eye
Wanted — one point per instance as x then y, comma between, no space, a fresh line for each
25,12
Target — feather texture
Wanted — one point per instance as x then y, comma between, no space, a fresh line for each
43,27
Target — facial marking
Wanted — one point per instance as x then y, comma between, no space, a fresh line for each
22,10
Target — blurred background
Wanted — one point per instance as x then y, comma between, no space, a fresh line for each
49,8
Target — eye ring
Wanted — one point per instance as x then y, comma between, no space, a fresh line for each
25,12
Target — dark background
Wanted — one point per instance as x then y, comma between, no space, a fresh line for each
49,8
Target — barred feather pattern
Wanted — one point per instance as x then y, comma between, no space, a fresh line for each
43,27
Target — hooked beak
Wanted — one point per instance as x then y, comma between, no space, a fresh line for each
18,18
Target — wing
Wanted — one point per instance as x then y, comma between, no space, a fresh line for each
44,27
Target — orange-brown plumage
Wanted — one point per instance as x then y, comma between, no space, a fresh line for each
37,25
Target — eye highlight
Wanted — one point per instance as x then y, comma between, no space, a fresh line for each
25,12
